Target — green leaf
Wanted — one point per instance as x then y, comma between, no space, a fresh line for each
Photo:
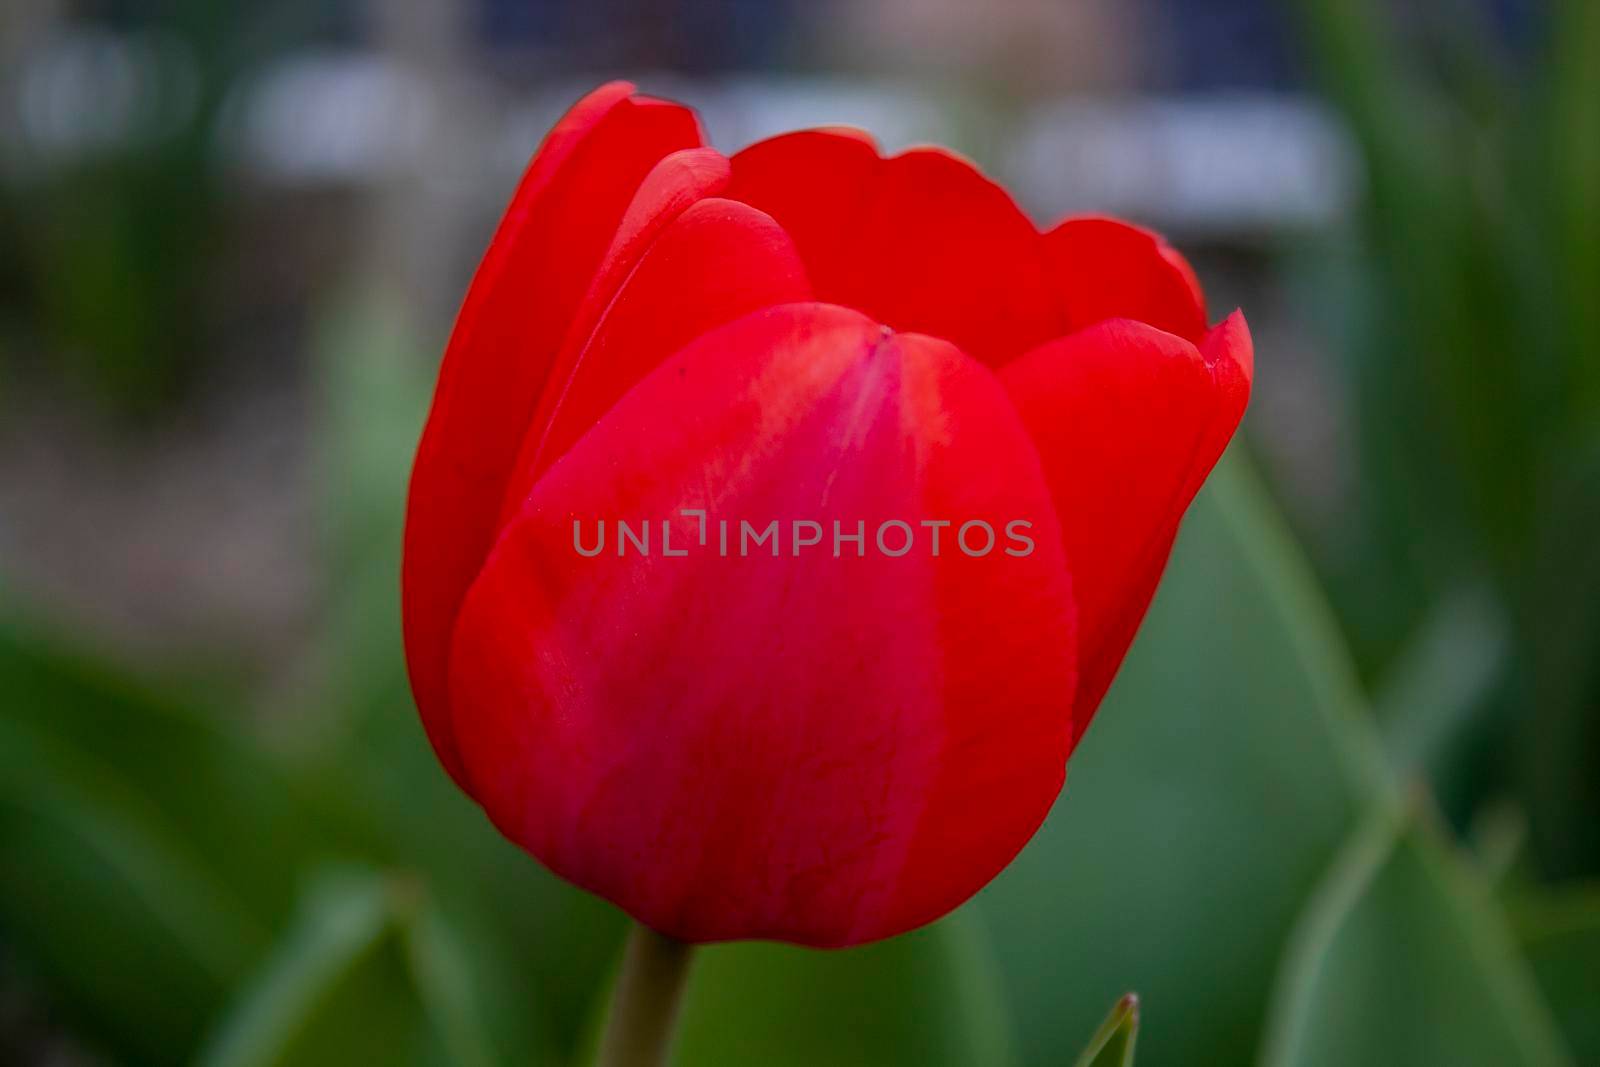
1450,430
1569,175
926,998
1442,685
1230,760
476,999
372,970
1400,958
193,769
1437,708
146,849
335,989
1560,934
1112,1044
1557,742
138,937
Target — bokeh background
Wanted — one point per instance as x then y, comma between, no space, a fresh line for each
1343,805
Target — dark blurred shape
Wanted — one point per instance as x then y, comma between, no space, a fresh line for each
112,188
115,241
1227,44
1012,52
683,35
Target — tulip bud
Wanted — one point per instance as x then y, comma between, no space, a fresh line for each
781,519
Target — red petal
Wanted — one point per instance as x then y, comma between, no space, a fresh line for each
1230,353
519,307
815,183
717,261
818,749
1107,269
1128,420
921,241
676,182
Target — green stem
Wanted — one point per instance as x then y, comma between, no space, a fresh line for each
644,1005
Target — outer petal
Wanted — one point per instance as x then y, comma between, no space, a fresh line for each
519,307
1230,353
818,749
1106,269
716,262
921,241
1128,421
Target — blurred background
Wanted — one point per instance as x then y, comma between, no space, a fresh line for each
1343,805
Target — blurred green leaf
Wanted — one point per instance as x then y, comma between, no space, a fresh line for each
147,849
210,783
1229,762
473,998
1498,839
1438,705
1558,617
370,970
138,936
1478,392
1571,174
925,998
452,992
1454,431
1401,959
1414,213
1560,933
334,991
1443,681
1112,1044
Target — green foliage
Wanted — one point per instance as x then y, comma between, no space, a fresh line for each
1219,799
368,970
157,860
1401,958
169,754
335,963
1112,1044
1560,933
929,997
1476,270
1226,767
142,847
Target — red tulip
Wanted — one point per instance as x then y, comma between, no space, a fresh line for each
841,741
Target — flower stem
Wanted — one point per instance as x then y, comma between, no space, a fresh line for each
644,1005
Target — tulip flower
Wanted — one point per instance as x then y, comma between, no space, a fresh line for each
782,518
